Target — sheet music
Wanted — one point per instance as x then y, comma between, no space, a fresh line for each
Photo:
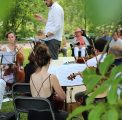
7,57
63,71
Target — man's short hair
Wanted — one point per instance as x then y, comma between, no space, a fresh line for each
100,44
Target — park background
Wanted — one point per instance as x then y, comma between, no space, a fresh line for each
94,16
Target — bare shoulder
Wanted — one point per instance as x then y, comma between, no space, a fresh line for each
53,76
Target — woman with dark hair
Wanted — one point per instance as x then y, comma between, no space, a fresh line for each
30,68
44,84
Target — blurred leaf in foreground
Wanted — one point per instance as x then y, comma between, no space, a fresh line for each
5,6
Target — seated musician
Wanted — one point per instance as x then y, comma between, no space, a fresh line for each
11,46
99,54
80,44
7,76
30,67
43,84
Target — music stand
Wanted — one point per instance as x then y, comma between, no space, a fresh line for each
6,58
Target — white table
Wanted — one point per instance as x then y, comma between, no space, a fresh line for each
62,71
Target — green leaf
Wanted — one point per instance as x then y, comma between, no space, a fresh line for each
4,7
104,66
112,114
112,94
104,87
79,110
96,112
89,71
91,81
115,71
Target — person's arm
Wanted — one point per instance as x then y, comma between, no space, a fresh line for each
58,89
40,18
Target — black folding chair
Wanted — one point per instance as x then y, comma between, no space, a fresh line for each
38,108
21,89
23,102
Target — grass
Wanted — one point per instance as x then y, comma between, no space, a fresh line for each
26,54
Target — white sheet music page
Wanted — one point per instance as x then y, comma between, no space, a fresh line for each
8,57
63,71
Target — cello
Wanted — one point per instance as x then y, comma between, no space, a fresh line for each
19,70
16,69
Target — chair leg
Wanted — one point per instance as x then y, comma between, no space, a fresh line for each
17,116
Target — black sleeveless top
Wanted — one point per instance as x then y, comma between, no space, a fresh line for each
50,98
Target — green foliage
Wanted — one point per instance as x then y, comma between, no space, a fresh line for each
111,110
96,115
78,111
20,18
4,8
104,67
104,11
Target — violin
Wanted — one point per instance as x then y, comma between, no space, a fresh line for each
73,75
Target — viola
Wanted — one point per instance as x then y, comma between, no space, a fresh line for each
73,75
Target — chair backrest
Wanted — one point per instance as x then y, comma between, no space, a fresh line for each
21,89
26,104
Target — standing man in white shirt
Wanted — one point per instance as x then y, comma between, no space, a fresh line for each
54,27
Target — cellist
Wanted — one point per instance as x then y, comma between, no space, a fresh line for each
11,46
